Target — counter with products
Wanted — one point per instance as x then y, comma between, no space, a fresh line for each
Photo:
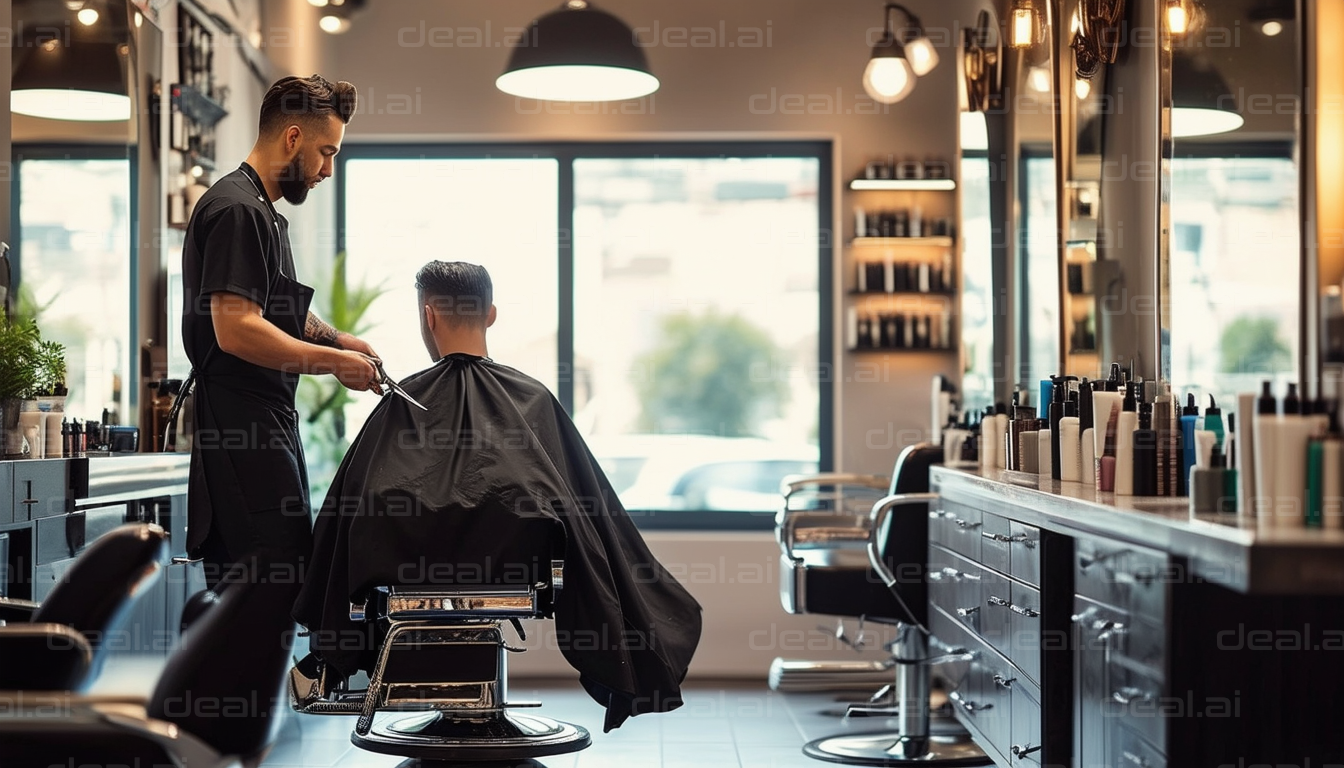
1106,627
60,506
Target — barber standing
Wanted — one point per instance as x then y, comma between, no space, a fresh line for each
249,335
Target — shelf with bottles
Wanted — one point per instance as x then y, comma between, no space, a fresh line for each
891,276
911,330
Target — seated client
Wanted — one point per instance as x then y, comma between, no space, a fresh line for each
444,496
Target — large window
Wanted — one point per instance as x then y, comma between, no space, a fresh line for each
1038,278
1234,274
74,271
683,323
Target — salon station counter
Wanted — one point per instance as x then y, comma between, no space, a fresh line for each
1119,631
57,507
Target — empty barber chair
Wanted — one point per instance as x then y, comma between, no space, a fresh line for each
885,583
443,654
60,644
214,705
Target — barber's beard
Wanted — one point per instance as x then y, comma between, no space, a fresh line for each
293,186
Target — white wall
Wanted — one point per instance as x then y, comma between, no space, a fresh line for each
803,82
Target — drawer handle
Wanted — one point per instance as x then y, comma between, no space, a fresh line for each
1108,629
964,612
1021,752
1004,682
999,601
1138,760
1087,562
995,537
967,524
969,706
1030,613
1023,539
1128,695
955,575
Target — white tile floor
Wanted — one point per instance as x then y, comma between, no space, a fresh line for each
729,724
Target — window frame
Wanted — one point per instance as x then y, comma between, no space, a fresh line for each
565,153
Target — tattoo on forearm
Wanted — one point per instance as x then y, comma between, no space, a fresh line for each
319,332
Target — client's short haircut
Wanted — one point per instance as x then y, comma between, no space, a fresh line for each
460,293
303,99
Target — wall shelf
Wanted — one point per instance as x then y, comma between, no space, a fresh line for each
901,350
937,241
902,185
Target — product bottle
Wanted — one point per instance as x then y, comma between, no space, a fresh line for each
1124,445
1086,439
1207,486
1231,479
1069,453
1145,453
1189,422
1266,452
1292,406
1332,480
1213,421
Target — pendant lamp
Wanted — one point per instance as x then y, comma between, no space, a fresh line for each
73,77
1202,104
578,53
898,58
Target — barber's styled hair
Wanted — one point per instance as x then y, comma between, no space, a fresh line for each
459,292
293,99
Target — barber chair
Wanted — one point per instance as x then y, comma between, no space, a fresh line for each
60,644
879,575
443,654
214,705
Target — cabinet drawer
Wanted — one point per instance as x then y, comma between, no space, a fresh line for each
1024,549
957,527
59,537
102,520
1135,701
1024,747
1122,576
39,489
954,586
976,697
1133,752
46,577
1148,575
995,534
996,623
1025,623
1145,645
9,511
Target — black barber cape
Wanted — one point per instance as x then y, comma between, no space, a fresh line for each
494,466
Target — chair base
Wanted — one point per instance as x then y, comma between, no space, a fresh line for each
890,749
495,736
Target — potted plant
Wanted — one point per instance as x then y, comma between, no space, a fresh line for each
19,354
50,371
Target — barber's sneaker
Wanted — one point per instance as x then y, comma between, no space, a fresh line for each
304,691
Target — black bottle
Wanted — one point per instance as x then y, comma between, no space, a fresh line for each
1265,404
1291,405
1145,453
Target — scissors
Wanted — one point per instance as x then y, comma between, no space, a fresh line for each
392,386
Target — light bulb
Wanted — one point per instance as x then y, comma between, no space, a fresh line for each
888,79
333,24
87,16
1024,25
1177,21
1082,88
923,56
1271,28
318,3
1039,79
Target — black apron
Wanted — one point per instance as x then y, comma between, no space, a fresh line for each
248,486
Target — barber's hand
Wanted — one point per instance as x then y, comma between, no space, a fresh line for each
355,344
356,371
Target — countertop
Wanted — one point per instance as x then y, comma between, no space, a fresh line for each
133,475
1244,554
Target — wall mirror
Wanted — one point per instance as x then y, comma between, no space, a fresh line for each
1030,94
84,182
1234,239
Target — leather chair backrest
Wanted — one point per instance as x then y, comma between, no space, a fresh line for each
905,542
223,683
97,591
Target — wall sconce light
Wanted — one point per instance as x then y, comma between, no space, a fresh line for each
1177,20
1096,41
1022,24
898,59
1271,16
982,64
578,53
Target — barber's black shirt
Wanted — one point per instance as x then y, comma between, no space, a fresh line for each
236,242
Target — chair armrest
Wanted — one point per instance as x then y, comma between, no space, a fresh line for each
15,610
43,657
879,517
792,483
